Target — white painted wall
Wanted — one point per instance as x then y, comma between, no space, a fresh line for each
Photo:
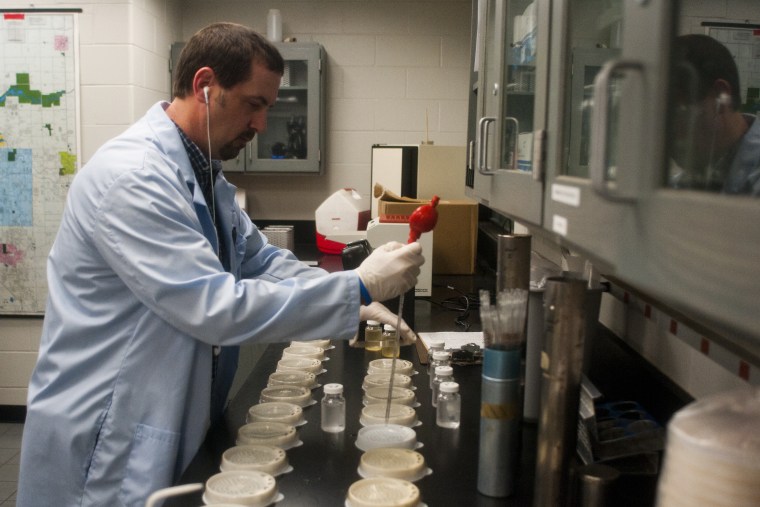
124,58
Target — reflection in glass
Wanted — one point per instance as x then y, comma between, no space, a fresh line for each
594,38
520,76
714,145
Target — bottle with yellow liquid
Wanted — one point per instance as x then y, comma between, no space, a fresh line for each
373,336
390,345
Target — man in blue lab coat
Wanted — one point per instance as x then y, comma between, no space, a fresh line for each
156,276
716,146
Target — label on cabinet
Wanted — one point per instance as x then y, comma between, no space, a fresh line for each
559,225
566,194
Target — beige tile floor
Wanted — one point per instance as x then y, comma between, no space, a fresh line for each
10,447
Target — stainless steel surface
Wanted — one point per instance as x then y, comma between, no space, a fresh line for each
562,361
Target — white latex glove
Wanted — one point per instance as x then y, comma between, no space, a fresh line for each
378,312
391,269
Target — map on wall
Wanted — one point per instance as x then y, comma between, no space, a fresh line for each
38,148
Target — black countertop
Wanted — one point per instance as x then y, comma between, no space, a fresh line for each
326,464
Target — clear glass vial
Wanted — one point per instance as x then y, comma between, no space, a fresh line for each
373,336
390,345
442,374
449,407
333,409
440,358
434,345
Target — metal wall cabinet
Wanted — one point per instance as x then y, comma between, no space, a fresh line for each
505,161
294,139
615,188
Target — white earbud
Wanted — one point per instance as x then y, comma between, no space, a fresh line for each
723,99
205,93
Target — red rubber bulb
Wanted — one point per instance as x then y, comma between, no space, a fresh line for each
423,219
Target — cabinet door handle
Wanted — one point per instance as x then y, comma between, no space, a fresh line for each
513,163
599,156
483,145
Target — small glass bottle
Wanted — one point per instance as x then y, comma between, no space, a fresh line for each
373,336
333,409
434,345
442,374
390,346
440,358
448,411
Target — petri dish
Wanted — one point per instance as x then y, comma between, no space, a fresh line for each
403,366
386,435
400,395
268,433
249,488
293,378
325,344
403,415
297,395
269,459
300,363
307,351
278,411
382,492
383,379
391,462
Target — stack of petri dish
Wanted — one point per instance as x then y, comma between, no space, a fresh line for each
301,351
383,492
375,413
403,366
403,464
269,459
293,378
300,364
278,434
296,395
276,411
712,457
386,435
325,344
241,487
383,379
400,395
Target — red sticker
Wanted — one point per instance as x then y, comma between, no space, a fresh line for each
13,15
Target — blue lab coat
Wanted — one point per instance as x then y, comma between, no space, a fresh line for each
119,401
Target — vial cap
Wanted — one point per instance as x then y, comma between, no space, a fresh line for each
388,327
373,323
441,354
333,388
449,387
435,343
444,371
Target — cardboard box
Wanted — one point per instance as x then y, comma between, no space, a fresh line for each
379,233
456,234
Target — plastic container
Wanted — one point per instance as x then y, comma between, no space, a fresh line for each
390,347
383,492
300,363
442,374
269,459
249,488
333,409
386,435
373,336
402,415
325,344
297,395
448,411
440,358
293,378
383,379
400,395
268,433
384,366
274,25
304,351
276,411
392,462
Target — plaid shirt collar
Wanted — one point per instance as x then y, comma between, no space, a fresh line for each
199,163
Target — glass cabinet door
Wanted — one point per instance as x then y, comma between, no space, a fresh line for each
595,145
513,71
697,217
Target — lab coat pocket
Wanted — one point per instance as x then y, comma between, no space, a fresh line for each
151,464
241,243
